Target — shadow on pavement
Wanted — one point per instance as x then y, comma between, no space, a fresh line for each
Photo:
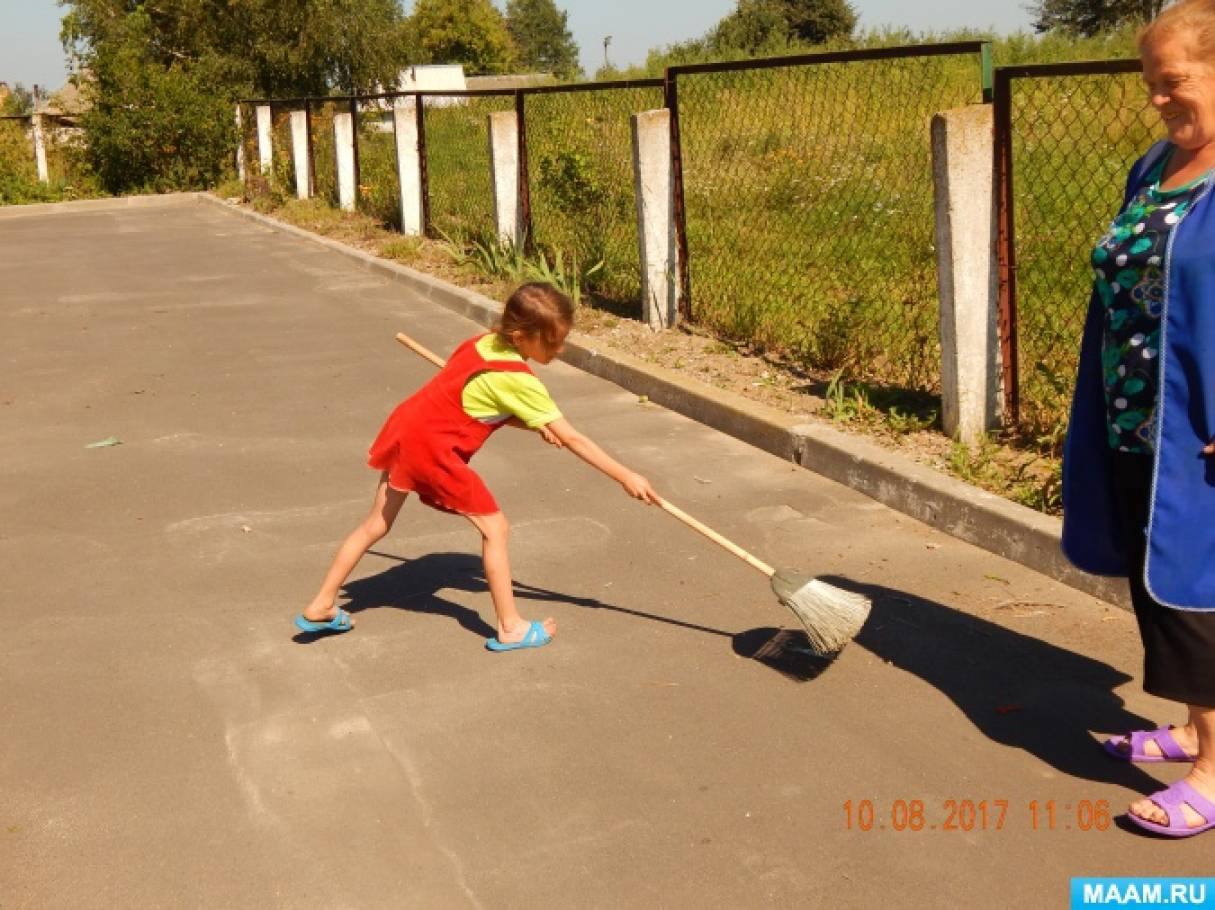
1016,689
414,585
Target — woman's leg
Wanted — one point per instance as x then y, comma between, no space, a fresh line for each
378,522
1201,776
494,552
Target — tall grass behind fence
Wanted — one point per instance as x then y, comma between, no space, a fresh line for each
324,162
16,151
280,144
1074,137
808,198
66,153
458,163
379,189
580,176
248,139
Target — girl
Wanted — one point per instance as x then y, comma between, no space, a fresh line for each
427,441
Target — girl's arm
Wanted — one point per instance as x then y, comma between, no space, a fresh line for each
544,431
582,446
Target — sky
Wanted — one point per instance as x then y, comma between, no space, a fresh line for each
30,52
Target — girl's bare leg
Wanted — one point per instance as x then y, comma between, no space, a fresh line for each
384,511
494,533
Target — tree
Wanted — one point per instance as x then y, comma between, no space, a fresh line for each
469,32
269,47
19,101
542,37
751,27
816,21
165,73
1090,17
754,25
153,127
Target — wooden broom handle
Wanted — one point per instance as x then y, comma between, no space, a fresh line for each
418,349
666,506
716,538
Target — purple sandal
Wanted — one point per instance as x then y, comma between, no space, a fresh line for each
1171,799
1162,737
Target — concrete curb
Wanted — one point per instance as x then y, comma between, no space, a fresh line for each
959,509
104,204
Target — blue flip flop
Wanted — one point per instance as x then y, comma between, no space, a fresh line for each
534,638
339,623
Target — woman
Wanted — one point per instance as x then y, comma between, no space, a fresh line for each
1139,462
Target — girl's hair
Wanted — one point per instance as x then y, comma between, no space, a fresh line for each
538,310
1195,19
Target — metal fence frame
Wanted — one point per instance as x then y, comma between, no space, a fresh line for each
1005,178
669,84
519,95
671,81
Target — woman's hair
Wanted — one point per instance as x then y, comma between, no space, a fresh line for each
538,310
1193,18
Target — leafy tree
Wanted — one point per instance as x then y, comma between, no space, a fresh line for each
756,25
19,101
542,37
269,47
164,73
1091,17
469,32
152,127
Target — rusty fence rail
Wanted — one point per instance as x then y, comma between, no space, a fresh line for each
804,193
1066,135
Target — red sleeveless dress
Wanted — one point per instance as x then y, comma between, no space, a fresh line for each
428,439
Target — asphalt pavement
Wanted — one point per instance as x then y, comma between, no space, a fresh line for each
169,739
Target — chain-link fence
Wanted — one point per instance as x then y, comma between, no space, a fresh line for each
379,187
807,193
1068,134
458,169
580,183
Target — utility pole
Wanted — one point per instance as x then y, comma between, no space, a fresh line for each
607,39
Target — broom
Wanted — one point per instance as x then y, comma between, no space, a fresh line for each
832,616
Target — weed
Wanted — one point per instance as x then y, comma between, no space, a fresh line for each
407,249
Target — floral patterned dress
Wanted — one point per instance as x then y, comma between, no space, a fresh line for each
1130,281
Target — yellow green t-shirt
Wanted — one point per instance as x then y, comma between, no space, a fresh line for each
495,396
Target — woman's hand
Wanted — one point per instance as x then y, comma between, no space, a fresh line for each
1209,448
639,488
550,437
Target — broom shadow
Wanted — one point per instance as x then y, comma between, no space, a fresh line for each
1016,689
413,584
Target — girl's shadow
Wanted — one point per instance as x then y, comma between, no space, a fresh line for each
1016,689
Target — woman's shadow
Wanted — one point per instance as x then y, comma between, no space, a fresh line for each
1016,689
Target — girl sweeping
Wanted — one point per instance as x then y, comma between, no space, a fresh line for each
427,441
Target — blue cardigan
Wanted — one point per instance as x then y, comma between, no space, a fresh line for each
1180,567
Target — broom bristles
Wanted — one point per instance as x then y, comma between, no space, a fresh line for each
831,615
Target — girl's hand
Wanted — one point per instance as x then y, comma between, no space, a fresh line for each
639,488
1209,448
550,437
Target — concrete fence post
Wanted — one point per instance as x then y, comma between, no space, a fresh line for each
265,151
504,158
653,189
409,166
299,154
39,148
240,145
343,147
964,190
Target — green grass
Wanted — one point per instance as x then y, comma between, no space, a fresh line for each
808,198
